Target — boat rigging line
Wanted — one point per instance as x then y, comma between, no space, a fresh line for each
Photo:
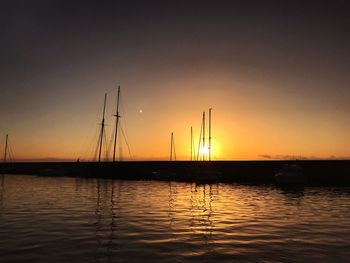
8,153
193,153
199,143
127,144
102,129
6,147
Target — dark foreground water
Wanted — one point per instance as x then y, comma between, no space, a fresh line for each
54,219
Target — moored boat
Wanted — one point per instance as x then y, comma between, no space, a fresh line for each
290,174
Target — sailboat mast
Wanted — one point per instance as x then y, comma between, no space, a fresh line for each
203,135
171,146
174,149
6,145
116,125
199,142
191,143
102,128
210,134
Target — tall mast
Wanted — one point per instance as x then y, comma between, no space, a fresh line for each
210,134
116,124
191,143
203,135
199,142
6,145
174,149
171,146
102,128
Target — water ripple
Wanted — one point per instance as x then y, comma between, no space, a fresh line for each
91,220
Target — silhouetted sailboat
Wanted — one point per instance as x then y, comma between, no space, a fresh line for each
204,150
200,171
114,138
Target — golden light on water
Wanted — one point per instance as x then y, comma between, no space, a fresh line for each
180,220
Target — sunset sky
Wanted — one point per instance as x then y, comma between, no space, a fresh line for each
276,73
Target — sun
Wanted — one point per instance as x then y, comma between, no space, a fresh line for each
204,151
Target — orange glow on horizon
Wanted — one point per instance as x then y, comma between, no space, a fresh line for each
242,129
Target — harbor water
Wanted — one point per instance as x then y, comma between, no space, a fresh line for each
58,219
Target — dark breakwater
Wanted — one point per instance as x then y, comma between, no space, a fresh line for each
329,172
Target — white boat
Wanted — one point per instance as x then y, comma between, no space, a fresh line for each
290,174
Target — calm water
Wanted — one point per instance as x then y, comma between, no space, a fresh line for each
90,220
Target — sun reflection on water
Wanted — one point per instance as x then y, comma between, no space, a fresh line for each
169,221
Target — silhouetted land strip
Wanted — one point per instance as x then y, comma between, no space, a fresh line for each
329,172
